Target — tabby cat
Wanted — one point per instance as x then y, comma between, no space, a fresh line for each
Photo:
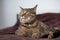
31,27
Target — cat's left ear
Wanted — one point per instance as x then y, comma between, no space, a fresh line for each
21,8
35,7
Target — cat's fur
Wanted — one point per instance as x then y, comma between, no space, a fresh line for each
31,27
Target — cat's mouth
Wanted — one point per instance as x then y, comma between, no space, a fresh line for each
28,23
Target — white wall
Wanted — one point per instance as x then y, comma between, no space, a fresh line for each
11,8
1,15
43,5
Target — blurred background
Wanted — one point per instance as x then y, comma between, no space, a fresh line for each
10,8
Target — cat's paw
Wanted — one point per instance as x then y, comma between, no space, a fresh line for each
50,36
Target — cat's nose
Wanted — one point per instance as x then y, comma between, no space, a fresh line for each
29,18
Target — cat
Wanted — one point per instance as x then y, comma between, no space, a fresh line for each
31,27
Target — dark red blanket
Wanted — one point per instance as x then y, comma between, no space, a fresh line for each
51,19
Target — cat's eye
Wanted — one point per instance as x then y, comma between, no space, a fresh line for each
32,14
23,16
24,11
27,13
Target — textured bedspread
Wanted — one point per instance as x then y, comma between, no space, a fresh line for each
51,19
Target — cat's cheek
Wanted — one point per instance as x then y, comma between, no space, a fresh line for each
21,20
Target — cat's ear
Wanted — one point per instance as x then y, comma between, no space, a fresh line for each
34,8
21,8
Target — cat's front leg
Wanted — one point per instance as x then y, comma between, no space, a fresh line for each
20,32
35,35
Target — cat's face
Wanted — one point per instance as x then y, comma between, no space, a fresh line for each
27,15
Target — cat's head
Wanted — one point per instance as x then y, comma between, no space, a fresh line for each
27,15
